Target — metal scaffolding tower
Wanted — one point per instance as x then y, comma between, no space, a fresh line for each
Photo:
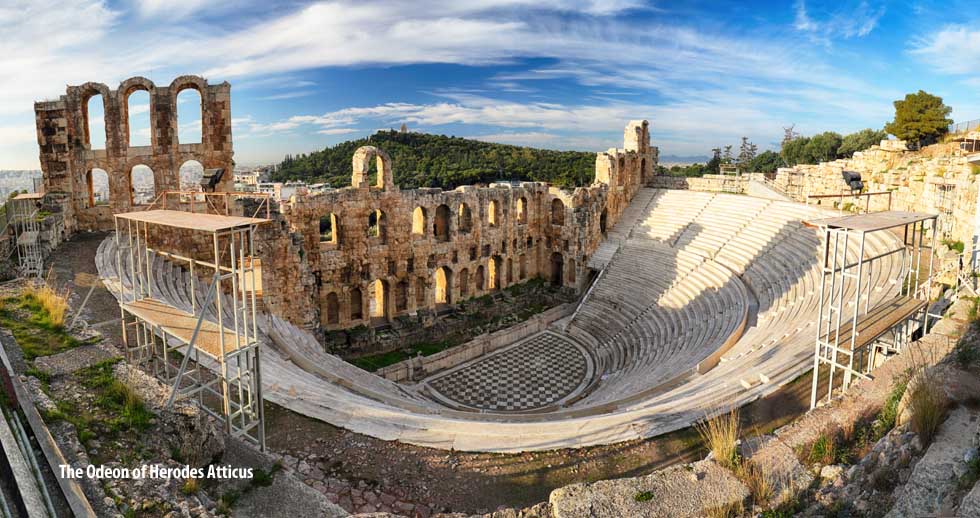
850,333
27,232
208,351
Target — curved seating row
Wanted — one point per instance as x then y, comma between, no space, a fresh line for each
676,291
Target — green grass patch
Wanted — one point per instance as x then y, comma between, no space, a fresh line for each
954,245
33,329
116,398
374,362
263,478
643,496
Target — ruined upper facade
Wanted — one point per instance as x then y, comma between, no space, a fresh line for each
360,255
371,252
68,160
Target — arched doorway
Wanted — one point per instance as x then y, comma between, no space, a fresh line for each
190,175
356,304
602,222
494,270
378,301
331,309
142,185
444,287
557,266
478,279
98,187
138,118
465,219
95,130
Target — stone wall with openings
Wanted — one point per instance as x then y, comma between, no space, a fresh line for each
69,162
369,253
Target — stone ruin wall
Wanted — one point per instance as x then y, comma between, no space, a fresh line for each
423,233
938,180
553,239
67,157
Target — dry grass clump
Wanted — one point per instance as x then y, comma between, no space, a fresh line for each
928,405
761,484
54,304
720,434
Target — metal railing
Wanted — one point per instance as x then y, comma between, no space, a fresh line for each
961,127
840,206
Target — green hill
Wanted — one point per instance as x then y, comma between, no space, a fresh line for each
423,160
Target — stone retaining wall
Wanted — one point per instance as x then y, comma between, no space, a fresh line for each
418,368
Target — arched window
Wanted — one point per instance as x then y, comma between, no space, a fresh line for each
332,309
379,299
418,221
440,225
377,225
189,115
329,229
465,219
142,184
521,210
494,270
140,127
444,288
522,266
191,173
602,222
492,213
478,278
356,305
95,134
98,187
509,272
401,296
557,212
464,282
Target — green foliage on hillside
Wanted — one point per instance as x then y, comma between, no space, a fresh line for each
859,141
423,160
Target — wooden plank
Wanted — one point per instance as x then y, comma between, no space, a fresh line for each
30,196
181,324
876,322
190,220
873,221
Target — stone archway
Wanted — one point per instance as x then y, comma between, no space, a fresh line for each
362,167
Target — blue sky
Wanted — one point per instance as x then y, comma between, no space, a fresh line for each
563,74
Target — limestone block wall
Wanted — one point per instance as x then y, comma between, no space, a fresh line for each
370,253
67,157
937,179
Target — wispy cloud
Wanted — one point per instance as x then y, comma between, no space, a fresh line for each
954,49
846,20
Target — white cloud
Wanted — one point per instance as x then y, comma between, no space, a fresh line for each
848,19
954,49
337,131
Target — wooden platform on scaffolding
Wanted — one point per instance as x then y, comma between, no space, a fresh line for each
180,324
190,220
878,321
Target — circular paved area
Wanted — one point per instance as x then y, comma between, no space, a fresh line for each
540,371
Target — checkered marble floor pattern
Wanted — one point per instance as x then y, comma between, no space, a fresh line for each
535,373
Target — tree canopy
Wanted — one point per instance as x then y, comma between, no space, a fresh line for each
921,118
424,160
859,141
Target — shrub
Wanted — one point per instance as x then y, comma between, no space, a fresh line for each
643,496
928,405
720,434
53,303
190,486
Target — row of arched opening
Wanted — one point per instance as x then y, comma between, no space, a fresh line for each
136,109
440,223
142,182
384,300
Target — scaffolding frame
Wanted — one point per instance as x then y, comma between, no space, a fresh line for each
176,345
853,343
27,233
